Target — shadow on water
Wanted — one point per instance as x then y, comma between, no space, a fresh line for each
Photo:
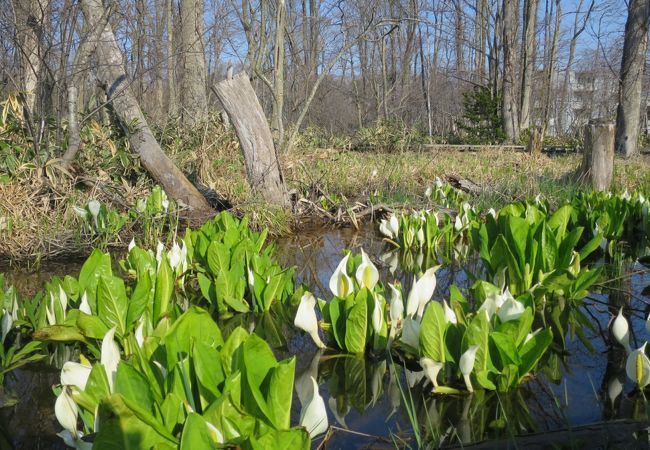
367,401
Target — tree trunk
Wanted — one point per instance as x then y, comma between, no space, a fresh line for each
172,106
509,107
194,99
631,79
528,63
535,143
29,21
278,70
597,166
245,111
110,72
549,65
480,34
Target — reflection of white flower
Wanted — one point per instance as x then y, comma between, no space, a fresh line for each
621,330
314,415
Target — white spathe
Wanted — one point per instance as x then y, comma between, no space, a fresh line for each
431,369
384,228
367,274
637,367
394,224
306,318
466,364
377,316
450,315
66,412
110,356
425,288
75,374
511,309
340,417
621,330
84,306
175,256
314,416
340,283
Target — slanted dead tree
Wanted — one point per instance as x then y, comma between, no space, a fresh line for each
110,72
238,98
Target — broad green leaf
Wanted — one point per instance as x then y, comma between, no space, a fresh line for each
141,297
295,439
164,290
91,326
123,425
218,257
112,303
337,314
533,350
133,386
196,434
195,325
432,332
356,324
97,265
280,392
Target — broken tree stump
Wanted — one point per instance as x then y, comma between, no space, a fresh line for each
597,167
238,98
534,146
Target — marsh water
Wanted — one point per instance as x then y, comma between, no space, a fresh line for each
369,405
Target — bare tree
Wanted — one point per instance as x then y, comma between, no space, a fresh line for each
528,60
509,108
631,79
194,98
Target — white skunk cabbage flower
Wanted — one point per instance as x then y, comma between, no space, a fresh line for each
367,274
131,245
384,229
458,223
66,412
139,332
340,283
467,365
75,374
7,323
425,288
427,192
306,318
63,299
377,316
314,416
450,315
626,195
396,304
175,256
637,367
94,207
110,356
393,222
160,248
411,332
413,300
621,330
84,306
431,369
492,212
531,335
511,309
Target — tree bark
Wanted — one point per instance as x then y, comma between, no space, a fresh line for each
29,20
194,98
172,105
597,166
631,79
278,70
509,107
110,72
528,63
247,116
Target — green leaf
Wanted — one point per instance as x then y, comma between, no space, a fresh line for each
123,425
533,350
218,257
195,325
505,350
98,265
133,386
164,290
432,332
356,325
91,326
281,440
196,434
112,303
337,314
141,297
280,392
